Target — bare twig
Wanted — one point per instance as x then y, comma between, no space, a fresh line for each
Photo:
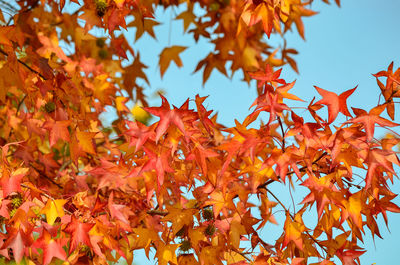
42,174
292,217
156,212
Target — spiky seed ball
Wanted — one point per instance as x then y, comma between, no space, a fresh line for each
50,106
101,6
185,246
100,42
16,202
33,220
103,54
181,232
12,212
208,214
214,6
210,230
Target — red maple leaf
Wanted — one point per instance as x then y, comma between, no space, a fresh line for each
51,248
167,116
369,120
18,240
79,233
268,75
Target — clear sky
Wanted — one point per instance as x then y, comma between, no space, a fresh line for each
343,47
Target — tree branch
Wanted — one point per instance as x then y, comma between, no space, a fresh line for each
24,64
302,169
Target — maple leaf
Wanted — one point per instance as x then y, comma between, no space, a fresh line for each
170,54
115,210
354,207
18,240
11,183
254,14
143,25
188,18
209,63
58,131
268,75
236,230
85,140
79,233
220,202
166,254
138,134
167,116
52,248
391,89
53,209
334,102
369,120
210,256
348,257
179,217
293,231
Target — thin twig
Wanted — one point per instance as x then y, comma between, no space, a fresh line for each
302,169
292,217
20,103
45,176
157,212
242,254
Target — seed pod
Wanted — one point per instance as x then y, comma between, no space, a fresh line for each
208,214
210,230
50,106
181,232
103,54
101,6
185,246
16,202
100,42
12,212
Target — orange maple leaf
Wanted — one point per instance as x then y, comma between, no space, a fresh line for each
334,102
170,54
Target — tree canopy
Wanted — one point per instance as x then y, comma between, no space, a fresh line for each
185,187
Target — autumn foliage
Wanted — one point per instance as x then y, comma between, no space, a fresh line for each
184,187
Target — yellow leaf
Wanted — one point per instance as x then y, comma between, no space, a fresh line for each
210,256
166,253
144,237
179,217
293,231
120,104
236,231
119,3
53,209
170,54
354,208
85,140
140,114
250,58
233,257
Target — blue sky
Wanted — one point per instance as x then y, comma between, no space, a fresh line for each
343,47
